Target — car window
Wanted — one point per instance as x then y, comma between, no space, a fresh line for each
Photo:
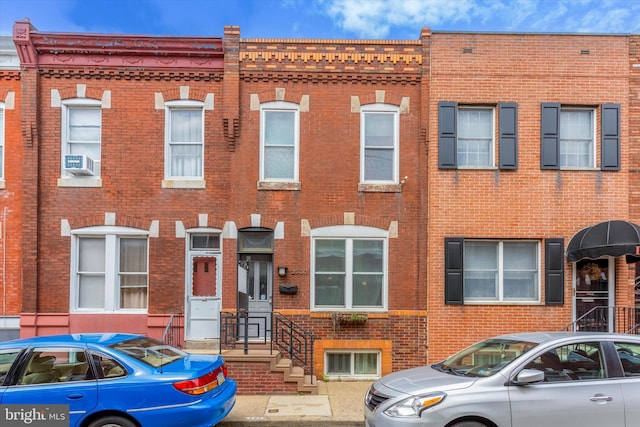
150,351
53,365
485,358
107,366
572,362
7,357
629,354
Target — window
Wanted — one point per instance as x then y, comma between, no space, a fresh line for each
573,362
349,272
111,270
345,364
475,137
81,136
2,154
629,354
568,137
466,136
184,156
279,141
501,271
379,144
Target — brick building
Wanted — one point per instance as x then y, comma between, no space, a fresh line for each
347,185
10,189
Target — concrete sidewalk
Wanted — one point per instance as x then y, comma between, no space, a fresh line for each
337,404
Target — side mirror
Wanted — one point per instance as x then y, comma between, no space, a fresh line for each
529,376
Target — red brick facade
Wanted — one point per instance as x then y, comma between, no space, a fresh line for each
330,81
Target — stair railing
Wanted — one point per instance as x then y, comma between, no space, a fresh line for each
624,320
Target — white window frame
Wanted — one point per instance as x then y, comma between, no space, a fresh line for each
563,140
170,107
500,299
492,143
283,107
350,233
112,236
379,108
352,374
80,103
3,113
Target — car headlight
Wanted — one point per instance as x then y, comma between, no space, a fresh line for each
413,406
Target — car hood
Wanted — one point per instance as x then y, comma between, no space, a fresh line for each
419,380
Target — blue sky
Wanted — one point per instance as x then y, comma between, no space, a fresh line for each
335,19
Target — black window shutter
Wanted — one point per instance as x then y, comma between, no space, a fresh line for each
508,113
610,137
554,271
453,268
550,136
447,124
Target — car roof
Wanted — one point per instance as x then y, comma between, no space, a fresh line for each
543,337
101,338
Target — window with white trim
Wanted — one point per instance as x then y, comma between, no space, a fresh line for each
379,143
349,268
184,136
352,364
501,271
475,137
577,138
279,141
2,127
110,269
82,134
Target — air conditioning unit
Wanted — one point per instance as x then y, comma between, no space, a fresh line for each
78,164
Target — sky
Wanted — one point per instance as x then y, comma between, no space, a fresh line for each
327,19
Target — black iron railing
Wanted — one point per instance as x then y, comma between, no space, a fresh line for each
173,331
247,329
624,320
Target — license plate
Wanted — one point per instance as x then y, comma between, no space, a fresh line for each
220,378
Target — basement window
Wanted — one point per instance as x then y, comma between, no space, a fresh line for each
346,364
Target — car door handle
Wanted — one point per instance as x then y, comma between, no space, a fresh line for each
601,398
75,396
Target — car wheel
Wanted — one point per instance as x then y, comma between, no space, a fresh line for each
112,421
469,424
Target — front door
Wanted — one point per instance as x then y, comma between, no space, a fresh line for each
258,282
593,294
203,298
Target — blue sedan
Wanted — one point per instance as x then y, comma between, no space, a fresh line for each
115,380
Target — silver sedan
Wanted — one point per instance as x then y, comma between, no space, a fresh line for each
518,380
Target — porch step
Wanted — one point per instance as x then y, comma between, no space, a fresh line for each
213,345
291,374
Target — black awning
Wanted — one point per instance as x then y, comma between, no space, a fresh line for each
612,238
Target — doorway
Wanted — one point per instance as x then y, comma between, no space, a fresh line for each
594,294
258,285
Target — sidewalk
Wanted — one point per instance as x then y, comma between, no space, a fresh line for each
337,404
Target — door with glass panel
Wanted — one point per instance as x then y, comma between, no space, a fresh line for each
259,294
202,314
593,295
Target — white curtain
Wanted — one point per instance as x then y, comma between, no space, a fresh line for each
186,143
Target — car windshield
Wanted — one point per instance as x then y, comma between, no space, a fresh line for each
484,358
150,351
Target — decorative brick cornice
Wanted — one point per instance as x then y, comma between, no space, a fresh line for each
74,50
101,74
355,78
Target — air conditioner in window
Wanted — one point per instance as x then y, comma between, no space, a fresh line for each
78,164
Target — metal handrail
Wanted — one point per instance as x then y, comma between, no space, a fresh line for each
285,335
608,318
172,333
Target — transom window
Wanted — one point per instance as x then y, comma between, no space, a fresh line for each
279,141
184,140
111,270
577,140
81,134
352,364
501,271
379,143
349,272
475,137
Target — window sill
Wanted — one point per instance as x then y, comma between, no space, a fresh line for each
89,182
284,186
380,188
184,183
3,184
503,303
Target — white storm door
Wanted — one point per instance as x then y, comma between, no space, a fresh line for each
204,298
